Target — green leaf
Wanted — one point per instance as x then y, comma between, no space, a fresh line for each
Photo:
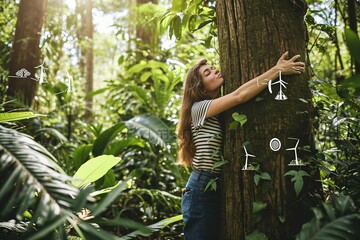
117,147
203,24
353,43
42,187
178,5
282,219
290,173
265,176
207,42
258,206
103,140
351,82
109,189
297,179
334,220
211,184
111,197
192,23
256,235
177,27
233,125
94,169
298,185
257,178
97,92
219,164
81,155
138,68
154,227
15,116
145,76
151,128
241,118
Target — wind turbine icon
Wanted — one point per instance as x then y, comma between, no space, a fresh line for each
296,161
247,166
280,95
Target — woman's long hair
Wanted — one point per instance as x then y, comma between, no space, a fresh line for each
194,91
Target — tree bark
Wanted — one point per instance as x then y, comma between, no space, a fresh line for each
25,51
252,36
351,9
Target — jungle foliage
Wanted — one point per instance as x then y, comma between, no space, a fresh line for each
130,186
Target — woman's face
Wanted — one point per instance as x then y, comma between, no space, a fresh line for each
211,78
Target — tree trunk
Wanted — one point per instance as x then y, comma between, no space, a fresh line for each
86,63
351,9
89,66
252,36
26,52
147,38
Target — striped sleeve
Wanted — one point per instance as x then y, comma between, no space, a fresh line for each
198,112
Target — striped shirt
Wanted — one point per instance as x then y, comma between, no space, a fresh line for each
207,136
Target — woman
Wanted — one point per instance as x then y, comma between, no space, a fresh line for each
200,138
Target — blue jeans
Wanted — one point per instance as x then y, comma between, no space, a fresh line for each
200,208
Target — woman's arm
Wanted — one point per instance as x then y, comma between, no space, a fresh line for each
253,87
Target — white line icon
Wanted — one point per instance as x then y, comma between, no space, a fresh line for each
22,73
247,167
295,162
275,144
280,95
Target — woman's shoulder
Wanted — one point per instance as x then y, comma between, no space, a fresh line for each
202,103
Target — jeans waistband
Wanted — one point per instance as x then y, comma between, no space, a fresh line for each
203,174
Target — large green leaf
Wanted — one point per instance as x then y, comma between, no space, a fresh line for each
15,116
119,146
94,169
111,196
81,155
353,43
103,140
151,128
32,181
335,220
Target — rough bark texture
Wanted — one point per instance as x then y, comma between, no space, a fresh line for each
26,51
252,36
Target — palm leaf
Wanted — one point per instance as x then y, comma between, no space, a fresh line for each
335,220
151,128
31,180
154,227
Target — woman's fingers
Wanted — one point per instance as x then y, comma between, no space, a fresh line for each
298,69
294,58
284,56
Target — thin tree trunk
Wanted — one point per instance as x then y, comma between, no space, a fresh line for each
252,36
351,7
147,38
89,64
26,51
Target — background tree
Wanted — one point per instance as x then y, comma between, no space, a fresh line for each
25,50
147,34
85,8
252,36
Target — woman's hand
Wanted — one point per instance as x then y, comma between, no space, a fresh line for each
288,67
